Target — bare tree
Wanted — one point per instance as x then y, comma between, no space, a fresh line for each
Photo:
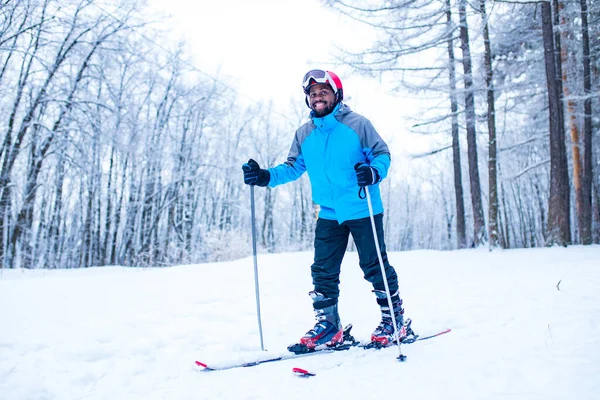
461,236
559,230
585,223
474,181
491,125
571,110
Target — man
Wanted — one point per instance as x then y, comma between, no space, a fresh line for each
342,153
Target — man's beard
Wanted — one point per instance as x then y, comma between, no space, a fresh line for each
326,111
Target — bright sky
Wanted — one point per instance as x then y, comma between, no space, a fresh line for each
279,41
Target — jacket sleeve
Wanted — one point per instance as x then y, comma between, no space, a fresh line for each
375,149
382,164
290,170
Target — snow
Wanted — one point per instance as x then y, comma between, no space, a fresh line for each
124,333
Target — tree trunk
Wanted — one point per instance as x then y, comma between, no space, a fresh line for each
559,69
461,236
505,233
478,218
55,235
585,224
559,229
106,255
491,123
20,241
572,114
596,214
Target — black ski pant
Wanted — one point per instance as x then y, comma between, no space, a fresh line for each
331,240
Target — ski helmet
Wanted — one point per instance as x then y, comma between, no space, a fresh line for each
317,76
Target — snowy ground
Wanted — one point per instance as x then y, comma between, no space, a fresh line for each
119,333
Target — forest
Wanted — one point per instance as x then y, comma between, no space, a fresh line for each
117,150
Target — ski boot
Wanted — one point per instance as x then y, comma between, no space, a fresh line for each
385,333
327,332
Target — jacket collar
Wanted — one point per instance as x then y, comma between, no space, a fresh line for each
329,120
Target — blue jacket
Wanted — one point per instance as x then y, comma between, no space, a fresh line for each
328,148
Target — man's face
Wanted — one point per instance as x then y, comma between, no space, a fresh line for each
321,99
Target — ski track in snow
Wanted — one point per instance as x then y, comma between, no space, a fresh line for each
124,333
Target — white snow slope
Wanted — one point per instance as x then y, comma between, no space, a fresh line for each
124,333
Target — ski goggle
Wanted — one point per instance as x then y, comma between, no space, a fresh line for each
317,76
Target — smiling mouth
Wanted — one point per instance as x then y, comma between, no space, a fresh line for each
319,103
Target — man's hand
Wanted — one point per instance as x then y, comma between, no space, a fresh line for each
254,175
366,175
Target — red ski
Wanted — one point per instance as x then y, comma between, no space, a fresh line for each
289,356
302,372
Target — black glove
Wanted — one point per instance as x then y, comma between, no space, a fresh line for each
254,175
365,175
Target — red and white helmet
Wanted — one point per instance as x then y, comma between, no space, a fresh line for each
317,76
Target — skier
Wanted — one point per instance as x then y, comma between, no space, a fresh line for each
342,153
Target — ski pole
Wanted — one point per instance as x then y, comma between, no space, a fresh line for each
253,216
401,357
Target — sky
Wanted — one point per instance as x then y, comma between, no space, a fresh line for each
279,41
525,326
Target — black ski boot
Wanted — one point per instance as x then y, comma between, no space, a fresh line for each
328,329
385,333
